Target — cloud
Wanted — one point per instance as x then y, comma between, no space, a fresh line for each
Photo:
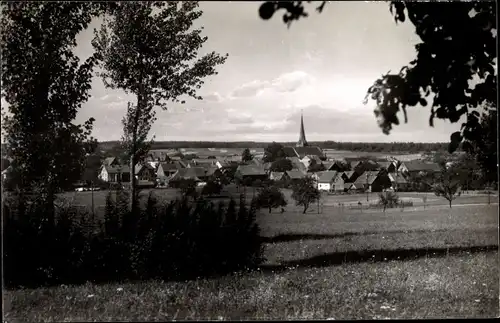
213,97
242,119
290,82
287,82
250,89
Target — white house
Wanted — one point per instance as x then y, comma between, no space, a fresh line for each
325,180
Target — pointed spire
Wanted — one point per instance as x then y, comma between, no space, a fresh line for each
302,137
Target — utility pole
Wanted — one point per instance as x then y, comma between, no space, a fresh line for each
367,191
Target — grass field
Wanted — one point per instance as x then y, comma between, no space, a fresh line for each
341,263
459,286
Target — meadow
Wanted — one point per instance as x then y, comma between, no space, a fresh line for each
340,263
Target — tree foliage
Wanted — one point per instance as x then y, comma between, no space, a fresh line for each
246,156
270,197
458,46
188,188
45,85
149,49
281,165
448,185
305,193
485,149
273,152
212,187
388,199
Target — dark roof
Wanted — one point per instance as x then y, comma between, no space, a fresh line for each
290,151
349,173
117,169
140,167
193,172
397,178
109,160
372,175
308,150
251,170
384,164
415,166
295,174
170,166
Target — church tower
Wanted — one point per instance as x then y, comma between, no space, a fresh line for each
302,138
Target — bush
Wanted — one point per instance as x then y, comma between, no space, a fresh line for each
388,199
178,240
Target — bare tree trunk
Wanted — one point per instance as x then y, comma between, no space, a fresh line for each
450,203
305,209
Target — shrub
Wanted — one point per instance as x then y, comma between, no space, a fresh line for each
181,239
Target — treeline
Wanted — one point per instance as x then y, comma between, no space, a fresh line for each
407,147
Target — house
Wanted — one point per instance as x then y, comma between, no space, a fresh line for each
325,180
277,176
415,167
340,183
115,174
167,169
308,151
290,152
295,175
398,182
110,161
389,166
199,162
297,164
334,165
145,172
307,160
199,174
251,171
373,181
267,167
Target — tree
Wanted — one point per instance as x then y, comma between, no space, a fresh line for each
246,156
485,149
457,39
188,188
388,199
44,85
273,152
270,197
281,165
305,193
152,55
448,186
212,187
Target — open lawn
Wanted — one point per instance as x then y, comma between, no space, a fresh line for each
457,286
340,263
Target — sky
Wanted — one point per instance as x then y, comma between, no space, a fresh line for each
321,65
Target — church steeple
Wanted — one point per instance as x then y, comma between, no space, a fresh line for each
302,138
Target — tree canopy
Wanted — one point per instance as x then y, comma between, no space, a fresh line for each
45,85
273,152
457,48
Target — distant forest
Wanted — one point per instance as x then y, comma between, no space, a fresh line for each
404,147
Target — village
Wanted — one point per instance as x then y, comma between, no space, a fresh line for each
164,168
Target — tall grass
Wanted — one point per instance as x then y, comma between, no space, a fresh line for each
176,240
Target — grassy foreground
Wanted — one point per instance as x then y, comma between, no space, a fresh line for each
457,286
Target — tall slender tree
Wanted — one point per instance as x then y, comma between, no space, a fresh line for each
44,85
150,49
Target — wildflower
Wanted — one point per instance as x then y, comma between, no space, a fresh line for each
119,289
90,296
477,300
